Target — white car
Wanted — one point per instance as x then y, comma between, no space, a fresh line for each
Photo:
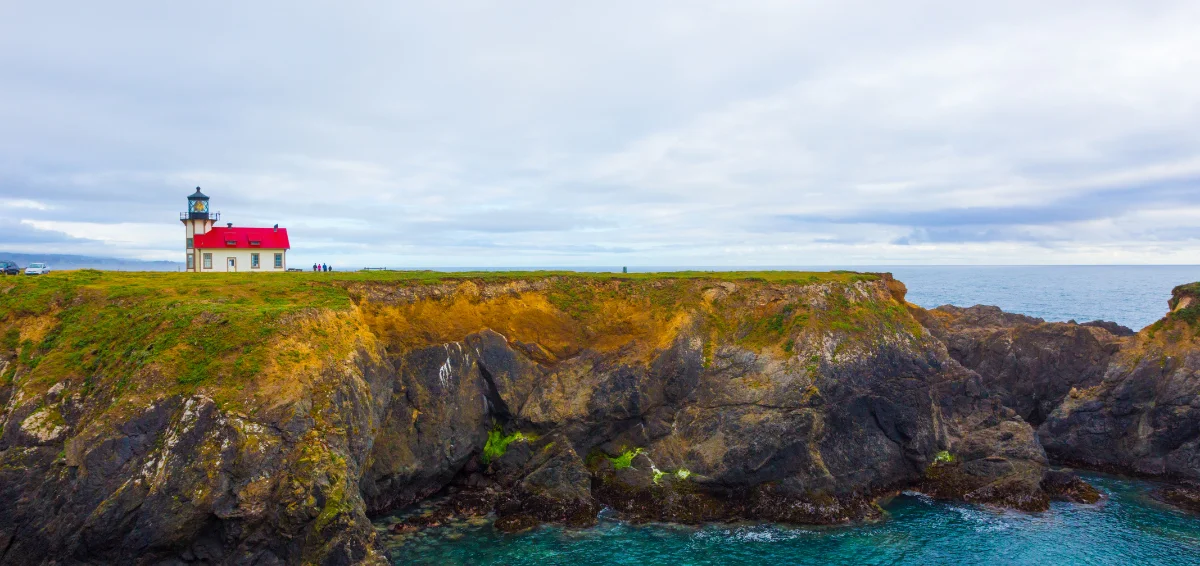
37,269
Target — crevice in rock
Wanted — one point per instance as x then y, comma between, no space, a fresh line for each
499,409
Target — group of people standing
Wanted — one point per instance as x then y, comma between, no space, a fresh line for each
322,267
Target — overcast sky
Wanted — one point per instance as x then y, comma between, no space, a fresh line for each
641,133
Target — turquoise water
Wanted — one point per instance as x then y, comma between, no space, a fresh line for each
1126,528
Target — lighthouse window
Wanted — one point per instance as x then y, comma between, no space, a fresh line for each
207,261
253,261
191,262
190,242
278,261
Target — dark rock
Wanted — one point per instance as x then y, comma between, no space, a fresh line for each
1030,364
1111,327
1185,496
404,528
1144,416
556,487
999,465
1105,399
516,523
183,479
436,423
1066,486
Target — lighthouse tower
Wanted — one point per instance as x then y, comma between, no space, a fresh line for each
197,221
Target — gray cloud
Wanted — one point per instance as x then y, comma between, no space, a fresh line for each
979,223
660,133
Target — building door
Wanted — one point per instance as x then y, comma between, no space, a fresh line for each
231,265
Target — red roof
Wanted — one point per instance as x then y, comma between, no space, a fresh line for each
268,238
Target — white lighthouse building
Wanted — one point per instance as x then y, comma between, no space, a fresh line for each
220,249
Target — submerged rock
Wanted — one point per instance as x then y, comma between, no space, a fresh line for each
1185,496
1066,486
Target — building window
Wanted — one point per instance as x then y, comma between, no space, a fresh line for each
253,261
190,242
191,262
207,261
278,261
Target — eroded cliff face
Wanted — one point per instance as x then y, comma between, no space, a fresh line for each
262,420
179,478
1102,397
152,418
1030,363
1144,415
686,401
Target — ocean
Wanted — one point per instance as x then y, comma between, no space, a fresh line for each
1135,296
1128,527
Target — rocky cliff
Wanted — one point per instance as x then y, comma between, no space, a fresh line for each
1031,364
1103,397
262,420
1143,415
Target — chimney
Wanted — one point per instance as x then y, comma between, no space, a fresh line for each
229,224
276,227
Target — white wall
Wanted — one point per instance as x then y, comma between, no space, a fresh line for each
242,256
192,228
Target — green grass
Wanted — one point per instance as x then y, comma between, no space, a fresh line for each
844,326
109,326
1189,315
799,277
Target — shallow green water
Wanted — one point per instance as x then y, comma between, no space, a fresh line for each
1126,528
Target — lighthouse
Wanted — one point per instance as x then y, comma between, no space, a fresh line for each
229,249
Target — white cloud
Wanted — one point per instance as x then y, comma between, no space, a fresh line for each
23,204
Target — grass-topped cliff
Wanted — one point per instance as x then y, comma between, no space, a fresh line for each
166,405
121,334
260,418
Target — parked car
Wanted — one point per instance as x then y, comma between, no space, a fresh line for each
9,268
37,269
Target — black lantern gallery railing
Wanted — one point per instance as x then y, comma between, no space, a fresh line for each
214,216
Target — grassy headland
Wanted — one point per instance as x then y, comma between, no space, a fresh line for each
248,339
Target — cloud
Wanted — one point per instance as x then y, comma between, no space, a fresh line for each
660,133
22,204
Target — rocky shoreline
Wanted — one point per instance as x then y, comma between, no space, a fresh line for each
1033,366
544,401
